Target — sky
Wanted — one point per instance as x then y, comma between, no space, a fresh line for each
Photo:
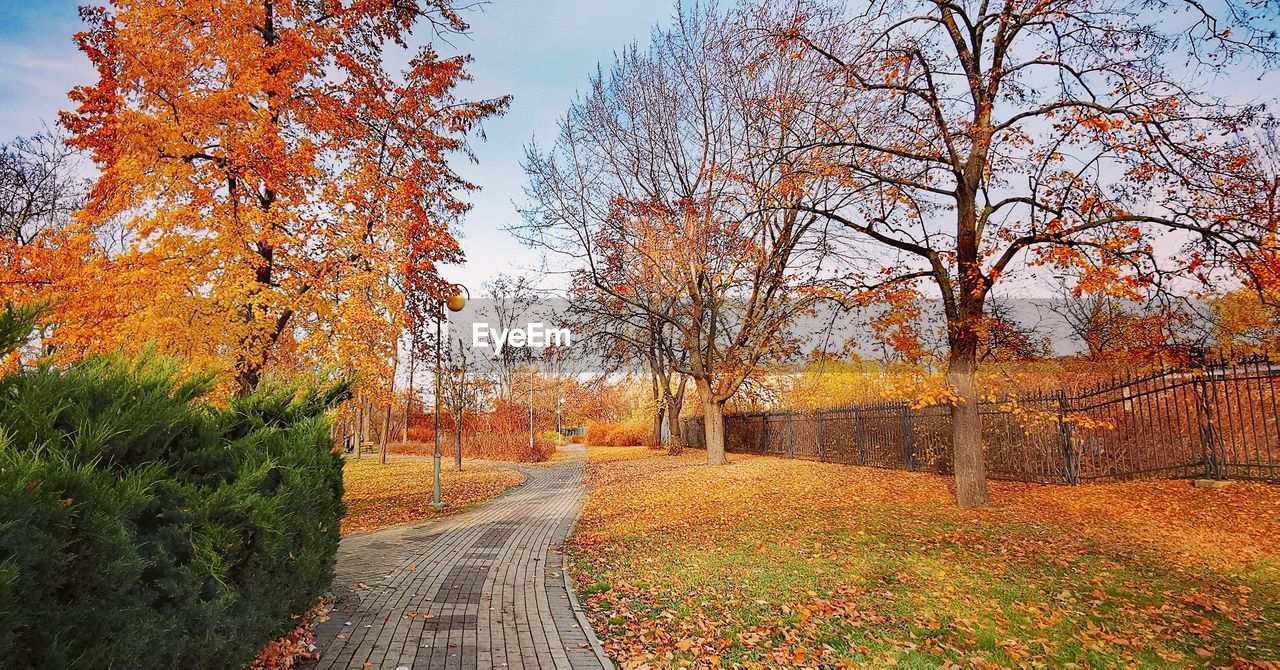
539,51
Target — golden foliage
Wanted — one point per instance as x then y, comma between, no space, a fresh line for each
1246,321
783,563
380,495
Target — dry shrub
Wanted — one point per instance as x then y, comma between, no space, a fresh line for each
420,433
577,439
501,434
510,447
619,435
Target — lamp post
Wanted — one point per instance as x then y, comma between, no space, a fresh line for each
455,302
531,401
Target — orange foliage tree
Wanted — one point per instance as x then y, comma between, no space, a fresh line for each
270,172
978,139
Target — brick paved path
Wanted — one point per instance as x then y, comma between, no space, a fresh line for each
482,589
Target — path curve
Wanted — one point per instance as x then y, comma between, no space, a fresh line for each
485,588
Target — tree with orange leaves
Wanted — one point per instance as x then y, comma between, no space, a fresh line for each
1251,316
269,169
40,189
979,139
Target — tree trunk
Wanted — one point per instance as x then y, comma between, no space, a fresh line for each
659,413
655,438
964,324
676,445
408,413
249,367
713,424
457,441
382,439
408,399
386,419
362,425
966,429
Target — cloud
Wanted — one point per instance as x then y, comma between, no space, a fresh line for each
34,80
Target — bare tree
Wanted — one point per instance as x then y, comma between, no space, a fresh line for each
670,178
513,300
974,137
634,339
40,189
1008,337
462,390
40,186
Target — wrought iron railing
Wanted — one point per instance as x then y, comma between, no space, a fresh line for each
1219,421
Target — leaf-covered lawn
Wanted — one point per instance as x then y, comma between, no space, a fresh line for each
383,495
772,562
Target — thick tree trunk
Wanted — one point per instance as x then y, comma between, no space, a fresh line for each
250,365
966,430
713,424
964,324
247,381
675,446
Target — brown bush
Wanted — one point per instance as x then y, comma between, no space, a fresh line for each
499,434
512,447
420,433
618,435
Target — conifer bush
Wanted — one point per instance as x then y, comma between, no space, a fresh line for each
142,527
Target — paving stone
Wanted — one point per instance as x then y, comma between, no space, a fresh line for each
481,589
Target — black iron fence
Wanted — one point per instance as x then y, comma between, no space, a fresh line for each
1219,422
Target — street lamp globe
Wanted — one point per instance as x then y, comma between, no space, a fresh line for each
457,301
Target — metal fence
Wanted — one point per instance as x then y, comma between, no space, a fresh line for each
1219,421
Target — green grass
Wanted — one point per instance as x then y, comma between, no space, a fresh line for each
915,590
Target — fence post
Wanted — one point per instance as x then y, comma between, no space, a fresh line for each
1210,440
857,437
907,439
1070,464
822,437
763,440
791,435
